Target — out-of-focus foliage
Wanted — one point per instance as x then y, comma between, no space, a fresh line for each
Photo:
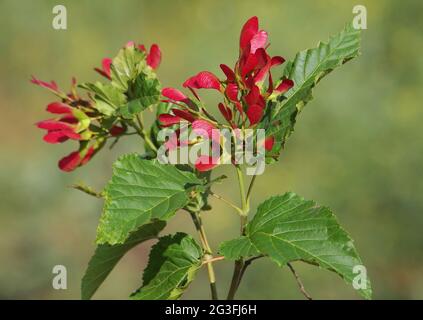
357,147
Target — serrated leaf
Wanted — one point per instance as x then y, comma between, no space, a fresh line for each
126,66
288,228
131,74
144,92
139,192
172,265
237,248
107,97
306,70
107,256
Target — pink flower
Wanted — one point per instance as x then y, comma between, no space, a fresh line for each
249,30
70,162
154,57
255,113
173,94
284,86
203,128
77,158
63,128
230,75
48,85
105,70
167,120
206,163
184,114
231,91
203,80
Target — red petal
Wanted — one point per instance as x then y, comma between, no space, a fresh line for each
203,128
59,136
106,62
70,162
53,125
105,71
269,142
203,80
239,107
225,111
48,85
284,86
116,130
254,113
270,88
258,41
250,64
232,91
206,163
264,65
277,60
154,57
59,108
168,120
248,31
183,114
141,47
173,94
253,96
69,119
230,75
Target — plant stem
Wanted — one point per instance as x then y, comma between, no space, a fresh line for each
239,264
238,209
250,188
208,253
219,258
240,176
299,282
143,134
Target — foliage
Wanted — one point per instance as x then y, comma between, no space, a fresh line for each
144,193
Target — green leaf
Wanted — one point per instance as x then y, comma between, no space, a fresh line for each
237,248
107,97
126,66
288,228
172,265
141,191
145,91
306,70
131,75
107,256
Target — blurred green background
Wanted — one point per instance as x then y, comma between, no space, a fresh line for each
357,147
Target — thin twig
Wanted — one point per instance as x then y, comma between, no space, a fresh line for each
300,284
227,202
250,188
196,218
245,266
214,259
88,190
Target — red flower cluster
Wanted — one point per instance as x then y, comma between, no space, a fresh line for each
245,95
78,119
74,119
